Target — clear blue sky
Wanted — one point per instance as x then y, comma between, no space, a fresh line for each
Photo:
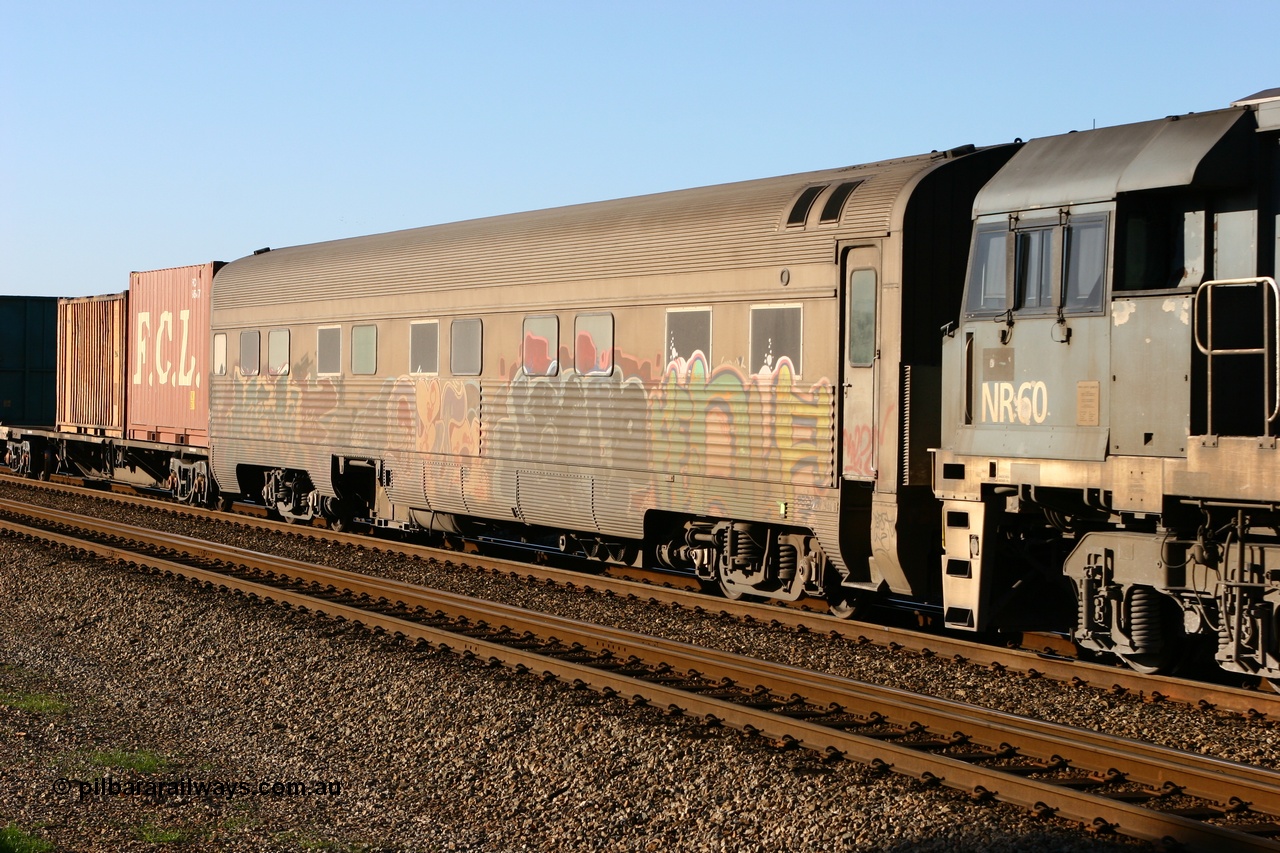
139,135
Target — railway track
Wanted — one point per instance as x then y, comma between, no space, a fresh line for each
1049,663
1108,783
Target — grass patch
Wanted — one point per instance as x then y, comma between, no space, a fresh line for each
13,839
143,761
152,834
34,703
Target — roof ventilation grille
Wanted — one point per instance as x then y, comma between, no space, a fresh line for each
835,202
800,210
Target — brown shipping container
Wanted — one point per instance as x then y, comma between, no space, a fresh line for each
92,352
169,354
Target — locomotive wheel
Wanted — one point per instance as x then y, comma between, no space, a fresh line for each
343,523
732,593
844,604
1151,664
727,592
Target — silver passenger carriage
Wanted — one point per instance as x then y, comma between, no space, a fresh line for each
738,381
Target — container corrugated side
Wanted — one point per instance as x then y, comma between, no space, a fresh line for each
28,360
169,354
92,354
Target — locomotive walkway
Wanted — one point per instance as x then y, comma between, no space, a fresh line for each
1109,783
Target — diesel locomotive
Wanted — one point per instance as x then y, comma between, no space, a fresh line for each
1110,414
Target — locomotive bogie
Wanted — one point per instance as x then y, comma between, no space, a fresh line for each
1144,597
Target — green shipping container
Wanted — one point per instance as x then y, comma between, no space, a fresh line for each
28,360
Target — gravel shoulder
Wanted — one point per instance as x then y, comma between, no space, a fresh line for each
107,675
1168,724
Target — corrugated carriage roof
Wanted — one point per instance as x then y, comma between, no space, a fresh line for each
736,225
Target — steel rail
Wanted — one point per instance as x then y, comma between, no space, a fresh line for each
1117,680
1207,780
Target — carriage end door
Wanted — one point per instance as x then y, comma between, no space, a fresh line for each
861,273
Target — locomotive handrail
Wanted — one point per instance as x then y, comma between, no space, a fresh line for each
1268,350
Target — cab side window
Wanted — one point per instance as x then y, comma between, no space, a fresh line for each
1039,267
1085,261
988,278
1033,269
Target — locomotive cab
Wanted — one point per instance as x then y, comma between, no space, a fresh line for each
1108,461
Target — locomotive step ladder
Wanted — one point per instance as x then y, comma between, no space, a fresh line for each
1268,301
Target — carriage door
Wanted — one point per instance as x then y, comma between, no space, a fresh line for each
861,350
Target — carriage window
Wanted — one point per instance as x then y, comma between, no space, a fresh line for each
329,351
424,347
220,354
987,277
593,344
688,332
250,353
466,337
277,352
1033,264
541,348
862,317
1086,263
364,350
775,338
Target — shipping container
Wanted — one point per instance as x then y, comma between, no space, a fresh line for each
28,360
169,354
92,353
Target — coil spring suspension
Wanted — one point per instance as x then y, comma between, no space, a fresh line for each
788,561
743,550
1146,627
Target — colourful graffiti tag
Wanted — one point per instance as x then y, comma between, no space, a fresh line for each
859,442
692,420
725,422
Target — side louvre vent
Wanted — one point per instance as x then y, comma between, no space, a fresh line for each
906,425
